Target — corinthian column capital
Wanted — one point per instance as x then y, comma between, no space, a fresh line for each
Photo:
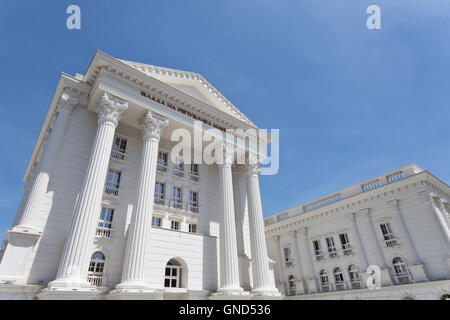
68,100
152,124
110,108
227,153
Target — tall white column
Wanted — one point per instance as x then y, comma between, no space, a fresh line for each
133,275
77,250
302,240
429,203
229,264
36,192
280,261
240,210
371,244
355,241
262,283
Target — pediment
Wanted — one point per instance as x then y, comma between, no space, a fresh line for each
192,84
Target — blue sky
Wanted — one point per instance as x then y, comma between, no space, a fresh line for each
350,103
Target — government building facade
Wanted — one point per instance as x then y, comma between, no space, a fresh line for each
107,213
385,238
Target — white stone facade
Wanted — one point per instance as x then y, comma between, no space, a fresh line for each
66,242
398,221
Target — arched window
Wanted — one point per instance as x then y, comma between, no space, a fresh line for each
96,268
291,280
355,279
401,271
339,279
172,278
324,281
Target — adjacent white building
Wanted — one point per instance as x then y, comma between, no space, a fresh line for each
107,213
398,221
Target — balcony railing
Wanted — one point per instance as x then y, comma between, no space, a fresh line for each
177,204
193,207
391,243
340,286
103,232
112,191
347,250
194,176
318,255
96,280
179,172
332,253
288,262
118,155
356,284
160,201
161,167
403,278
325,287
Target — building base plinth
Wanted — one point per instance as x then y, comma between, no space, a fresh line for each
230,295
135,294
67,293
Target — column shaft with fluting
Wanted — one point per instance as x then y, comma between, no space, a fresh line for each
78,248
133,275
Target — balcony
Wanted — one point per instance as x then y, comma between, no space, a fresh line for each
112,190
356,284
325,288
194,176
193,207
332,253
347,250
403,278
159,200
340,286
96,280
177,204
319,255
178,171
103,232
118,155
391,243
161,167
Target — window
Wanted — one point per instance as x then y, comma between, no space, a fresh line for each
156,222
177,201
345,244
355,279
331,247
175,225
105,223
194,172
96,268
388,235
324,281
287,257
317,250
112,182
193,227
162,161
178,169
339,279
118,149
401,271
193,201
159,194
172,277
291,285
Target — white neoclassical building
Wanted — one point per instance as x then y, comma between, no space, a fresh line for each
108,213
398,221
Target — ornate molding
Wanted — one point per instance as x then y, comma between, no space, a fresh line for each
152,124
110,108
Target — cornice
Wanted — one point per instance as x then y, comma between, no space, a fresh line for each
374,198
102,61
66,83
150,69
